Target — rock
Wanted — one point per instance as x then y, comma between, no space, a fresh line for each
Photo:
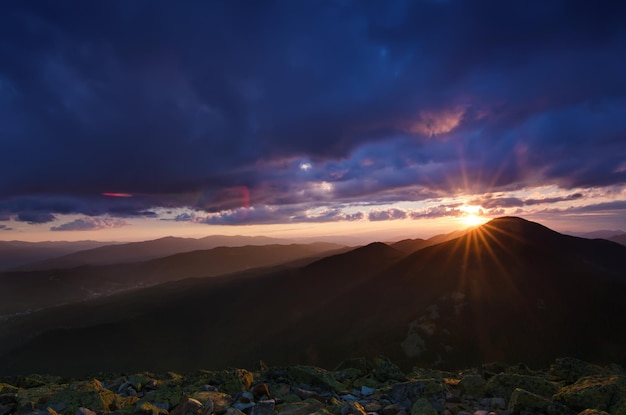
481,412
8,408
146,408
353,408
219,401
366,391
423,407
592,412
384,370
502,385
265,407
8,398
260,390
88,394
406,393
307,394
84,411
188,406
233,411
316,378
300,408
570,369
522,400
473,385
372,407
392,409
209,407
593,392
169,395
493,403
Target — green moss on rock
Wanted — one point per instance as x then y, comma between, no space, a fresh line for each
502,385
314,377
570,369
473,385
594,392
522,400
423,407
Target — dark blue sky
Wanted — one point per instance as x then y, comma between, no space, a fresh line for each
230,112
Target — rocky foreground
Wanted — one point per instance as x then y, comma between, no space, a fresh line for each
356,387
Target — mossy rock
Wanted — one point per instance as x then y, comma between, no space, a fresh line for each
300,408
38,396
169,395
6,388
473,385
570,369
146,408
522,400
605,393
406,393
384,370
31,381
88,394
314,377
592,412
423,407
221,401
228,381
367,381
502,385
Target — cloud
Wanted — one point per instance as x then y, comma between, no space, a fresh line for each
386,214
90,224
490,202
33,218
5,228
432,123
340,108
436,212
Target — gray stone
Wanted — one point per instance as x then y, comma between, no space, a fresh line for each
84,411
265,407
353,408
522,400
365,391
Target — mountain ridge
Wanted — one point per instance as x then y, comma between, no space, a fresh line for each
509,290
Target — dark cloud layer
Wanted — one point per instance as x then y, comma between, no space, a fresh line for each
248,108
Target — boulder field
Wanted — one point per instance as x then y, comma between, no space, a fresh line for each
355,387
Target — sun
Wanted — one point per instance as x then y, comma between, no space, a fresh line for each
472,219
472,215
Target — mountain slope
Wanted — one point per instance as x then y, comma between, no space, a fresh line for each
510,290
146,250
18,253
23,291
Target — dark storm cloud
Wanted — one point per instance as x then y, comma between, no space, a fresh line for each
221,106
35,217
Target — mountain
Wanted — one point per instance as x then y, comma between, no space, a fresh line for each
620,239
18,253
26,291
146,250
602,234
409,246
510,290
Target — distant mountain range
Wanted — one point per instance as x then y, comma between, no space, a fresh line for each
146,250
16,253
510,290
27,291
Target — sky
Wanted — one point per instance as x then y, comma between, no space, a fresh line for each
128,120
